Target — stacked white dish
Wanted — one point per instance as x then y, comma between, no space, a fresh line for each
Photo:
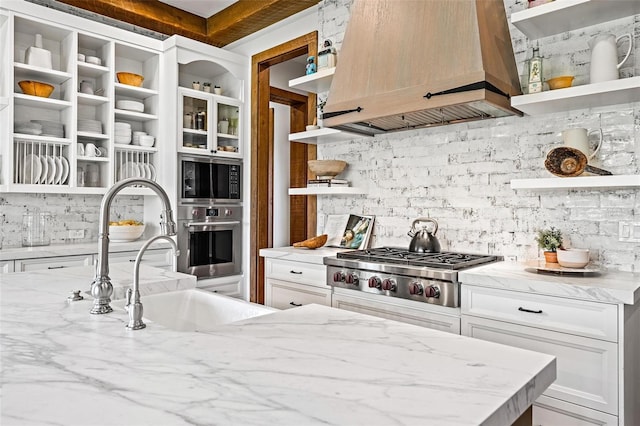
93,60
51,128
27,128
130,105
122,133
43,169
143,139
91,126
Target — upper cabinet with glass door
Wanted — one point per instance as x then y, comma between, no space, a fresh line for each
210,100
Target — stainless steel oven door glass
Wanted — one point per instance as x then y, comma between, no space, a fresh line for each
210,241
209,181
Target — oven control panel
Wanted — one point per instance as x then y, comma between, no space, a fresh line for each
209,213
443,293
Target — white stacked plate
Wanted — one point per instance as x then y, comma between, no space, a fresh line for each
51,128
136,137
122,132
27,128
92,126
130,106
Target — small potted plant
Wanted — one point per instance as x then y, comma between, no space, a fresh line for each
550,240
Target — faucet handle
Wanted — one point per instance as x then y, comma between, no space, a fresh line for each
128,297
75,296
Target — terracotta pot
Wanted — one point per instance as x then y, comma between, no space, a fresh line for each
551,256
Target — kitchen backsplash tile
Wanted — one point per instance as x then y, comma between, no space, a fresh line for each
68,212
460,174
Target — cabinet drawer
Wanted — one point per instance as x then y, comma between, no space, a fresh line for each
53,263
399,313
552,412
587,369
6,266
285,295
298,272
160,258
579,317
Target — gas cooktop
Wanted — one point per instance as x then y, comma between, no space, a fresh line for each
441,260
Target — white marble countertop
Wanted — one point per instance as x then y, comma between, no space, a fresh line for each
55,250
301,254
607,286
308,365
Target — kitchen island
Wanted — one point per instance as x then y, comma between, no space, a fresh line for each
309,365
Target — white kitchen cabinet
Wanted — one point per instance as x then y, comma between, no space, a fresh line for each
209,124
229,286
159,258
596,346
50,162
289,284
407,311
6,266
38,264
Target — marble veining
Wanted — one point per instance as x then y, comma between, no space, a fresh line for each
608,287
308,365
300,254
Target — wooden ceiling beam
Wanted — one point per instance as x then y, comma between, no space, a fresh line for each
151,14
245,17
239,20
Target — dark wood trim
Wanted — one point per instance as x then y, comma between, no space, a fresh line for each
286,97
261,193
239,20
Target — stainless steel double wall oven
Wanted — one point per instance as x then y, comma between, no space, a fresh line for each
210,216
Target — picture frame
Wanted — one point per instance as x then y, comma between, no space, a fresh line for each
349,231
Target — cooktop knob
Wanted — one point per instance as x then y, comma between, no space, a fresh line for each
338,277
416,288
389,284
432,291
351,278
374,282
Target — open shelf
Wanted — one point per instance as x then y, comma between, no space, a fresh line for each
137,148
92,100
559,16
586,96
324,135
40,102
615,181
134,91
40,138
326,190
91,70
91,135
317,82
30,72
134,116
93,159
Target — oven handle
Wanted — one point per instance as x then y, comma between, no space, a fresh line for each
203,224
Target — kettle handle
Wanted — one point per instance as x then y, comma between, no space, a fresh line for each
424,219
628,51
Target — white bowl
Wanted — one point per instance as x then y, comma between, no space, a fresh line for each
81,57
130,105
125,233
573,258
147,140
93,60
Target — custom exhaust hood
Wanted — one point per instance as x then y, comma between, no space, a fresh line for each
417,63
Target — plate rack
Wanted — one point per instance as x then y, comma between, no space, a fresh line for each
41,163
134,164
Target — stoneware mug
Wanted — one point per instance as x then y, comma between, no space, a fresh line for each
80,148
90,150
578,138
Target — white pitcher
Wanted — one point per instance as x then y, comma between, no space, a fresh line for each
604,57
579,139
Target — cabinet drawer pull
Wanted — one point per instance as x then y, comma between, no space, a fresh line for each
55,267
295,272
521,309
295,304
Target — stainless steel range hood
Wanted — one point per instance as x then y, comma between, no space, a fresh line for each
416,63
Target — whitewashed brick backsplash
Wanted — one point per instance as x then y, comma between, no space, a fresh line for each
460,174
68,212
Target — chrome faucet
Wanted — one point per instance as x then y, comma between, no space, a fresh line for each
101,287
135,308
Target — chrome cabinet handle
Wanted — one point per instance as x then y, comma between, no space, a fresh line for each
521,309
295,304
295,272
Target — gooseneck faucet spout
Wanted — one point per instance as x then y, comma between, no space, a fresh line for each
101,288
134,306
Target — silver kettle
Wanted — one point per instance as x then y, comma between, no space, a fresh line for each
422,240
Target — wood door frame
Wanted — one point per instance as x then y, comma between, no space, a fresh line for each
261,190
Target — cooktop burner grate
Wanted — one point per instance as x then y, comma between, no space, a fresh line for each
442,260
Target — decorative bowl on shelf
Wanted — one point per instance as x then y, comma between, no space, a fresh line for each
560,82
130,78
36,88
573,258
326,169
121,233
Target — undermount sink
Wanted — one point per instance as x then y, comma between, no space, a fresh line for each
195,309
